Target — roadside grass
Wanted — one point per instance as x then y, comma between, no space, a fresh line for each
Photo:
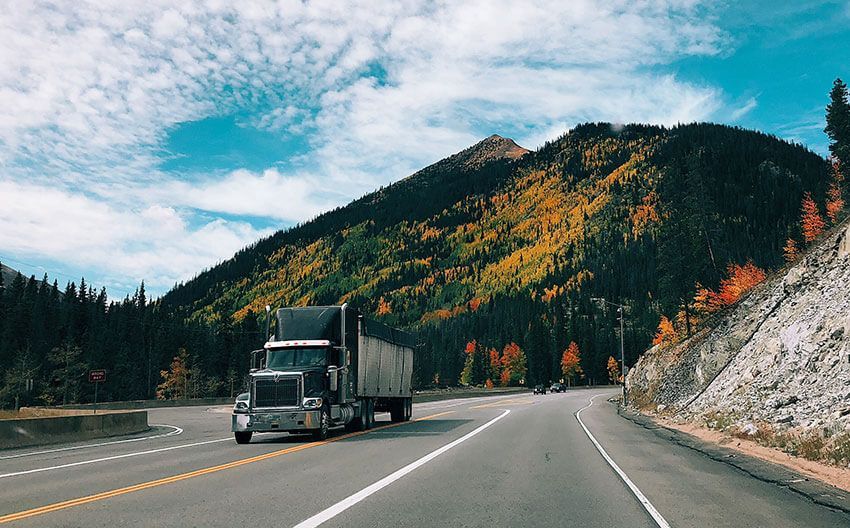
822,445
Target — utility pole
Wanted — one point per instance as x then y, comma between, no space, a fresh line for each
621,310
622,352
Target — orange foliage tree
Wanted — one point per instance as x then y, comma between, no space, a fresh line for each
571,363
474,368
834,200
666,334
790,250
514,365
384,307
175,381
811,221
613,369
495,365
740,280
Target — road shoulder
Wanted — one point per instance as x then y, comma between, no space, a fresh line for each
793,478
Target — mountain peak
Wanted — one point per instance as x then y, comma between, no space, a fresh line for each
491,148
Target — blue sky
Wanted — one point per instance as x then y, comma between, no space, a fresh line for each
144,140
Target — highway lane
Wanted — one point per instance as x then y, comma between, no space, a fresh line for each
532,466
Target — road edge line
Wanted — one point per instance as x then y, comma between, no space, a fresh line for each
644,501
346,503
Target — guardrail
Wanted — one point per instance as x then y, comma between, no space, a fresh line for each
23,432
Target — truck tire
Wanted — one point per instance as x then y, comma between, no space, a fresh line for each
360,423
242,437
325,423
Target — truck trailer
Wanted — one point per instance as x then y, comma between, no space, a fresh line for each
325,367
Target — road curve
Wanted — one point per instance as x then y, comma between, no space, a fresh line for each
516,460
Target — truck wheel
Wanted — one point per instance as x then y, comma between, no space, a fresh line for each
360,423
242,437
322,432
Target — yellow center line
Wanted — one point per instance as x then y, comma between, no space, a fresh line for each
500,403
192,474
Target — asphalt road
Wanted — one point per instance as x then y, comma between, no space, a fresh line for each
518,460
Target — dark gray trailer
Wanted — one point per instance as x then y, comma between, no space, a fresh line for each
326,366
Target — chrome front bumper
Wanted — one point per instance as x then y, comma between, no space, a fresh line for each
276,421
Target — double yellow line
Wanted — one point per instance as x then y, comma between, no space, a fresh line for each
192,474
501,403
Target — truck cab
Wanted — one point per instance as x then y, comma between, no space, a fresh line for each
326,367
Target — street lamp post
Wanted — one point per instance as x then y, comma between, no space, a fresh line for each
622,312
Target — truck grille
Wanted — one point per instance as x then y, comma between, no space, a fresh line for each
280,393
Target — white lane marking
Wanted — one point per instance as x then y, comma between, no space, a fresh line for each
175,431
350,501
656,516
116,457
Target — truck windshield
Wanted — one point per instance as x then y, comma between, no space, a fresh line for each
284,358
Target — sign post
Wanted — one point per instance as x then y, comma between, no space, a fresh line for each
96,376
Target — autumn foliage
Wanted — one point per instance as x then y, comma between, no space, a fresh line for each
811,221
613,370
571,363
740,280
666,333
790,250
482,366
175,381
514,365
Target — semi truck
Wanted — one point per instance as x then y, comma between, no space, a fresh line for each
325,367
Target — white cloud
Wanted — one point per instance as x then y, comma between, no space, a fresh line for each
378,89
268,194
152,243
743,110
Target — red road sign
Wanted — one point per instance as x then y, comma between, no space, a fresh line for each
97,375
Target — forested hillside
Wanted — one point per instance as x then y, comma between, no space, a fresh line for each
496,245
512,249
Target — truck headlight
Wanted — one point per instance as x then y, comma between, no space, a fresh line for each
240,407
312,403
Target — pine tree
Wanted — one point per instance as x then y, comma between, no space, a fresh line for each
838,121
68,372
834,198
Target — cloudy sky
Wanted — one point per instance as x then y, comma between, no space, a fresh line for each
150,139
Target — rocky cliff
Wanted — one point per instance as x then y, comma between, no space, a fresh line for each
779,359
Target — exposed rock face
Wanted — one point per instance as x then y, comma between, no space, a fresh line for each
781,356
493,147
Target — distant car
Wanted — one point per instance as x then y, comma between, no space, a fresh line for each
241,404
540,389
558,387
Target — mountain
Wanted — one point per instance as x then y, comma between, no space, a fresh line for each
7,274
774,367
501,245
